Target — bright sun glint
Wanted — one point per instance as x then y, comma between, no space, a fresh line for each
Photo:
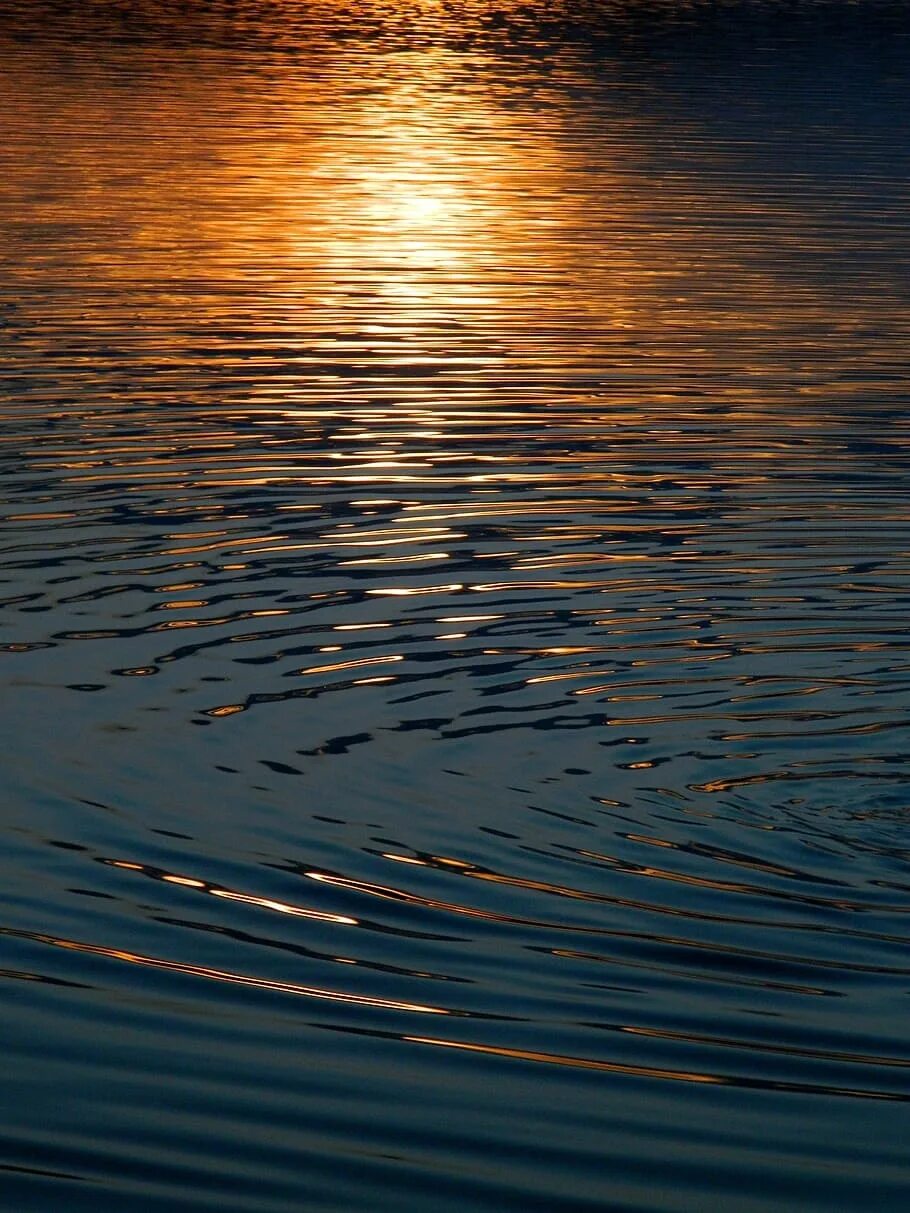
421,207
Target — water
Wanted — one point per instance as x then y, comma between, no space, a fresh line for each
454,587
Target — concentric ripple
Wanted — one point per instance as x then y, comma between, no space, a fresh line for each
454,578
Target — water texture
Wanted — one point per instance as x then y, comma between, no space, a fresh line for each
454,581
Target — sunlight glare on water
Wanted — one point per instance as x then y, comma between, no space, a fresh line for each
453,601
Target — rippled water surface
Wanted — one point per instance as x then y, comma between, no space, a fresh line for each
455,575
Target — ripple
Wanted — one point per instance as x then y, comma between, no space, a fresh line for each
455,563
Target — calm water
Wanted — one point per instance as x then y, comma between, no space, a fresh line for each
455,576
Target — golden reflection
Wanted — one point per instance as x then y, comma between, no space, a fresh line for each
393,893
874,1059
583,1063
214,890
354,664
239,979
351,347
409,195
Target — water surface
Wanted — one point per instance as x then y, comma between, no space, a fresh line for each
454,584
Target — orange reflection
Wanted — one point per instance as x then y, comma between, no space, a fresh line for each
581,1063
215,890
664,1073
240,979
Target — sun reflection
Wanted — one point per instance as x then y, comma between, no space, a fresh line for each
229,977
351,348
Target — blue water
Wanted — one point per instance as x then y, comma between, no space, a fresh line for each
453,591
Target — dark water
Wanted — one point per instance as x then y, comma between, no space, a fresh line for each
455,576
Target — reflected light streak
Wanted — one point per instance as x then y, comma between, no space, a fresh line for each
659,1072
223,975
584,1063
265,903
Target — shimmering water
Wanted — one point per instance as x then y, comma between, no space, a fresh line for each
455,573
